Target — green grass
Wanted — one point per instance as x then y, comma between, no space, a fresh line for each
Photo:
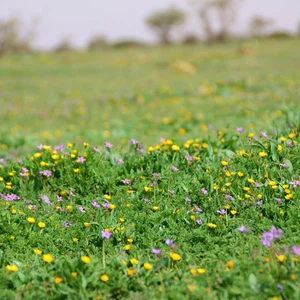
195,97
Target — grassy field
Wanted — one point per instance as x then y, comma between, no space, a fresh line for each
151,173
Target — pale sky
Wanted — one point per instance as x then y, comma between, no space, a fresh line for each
120,19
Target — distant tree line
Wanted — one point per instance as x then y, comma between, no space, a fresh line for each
216,18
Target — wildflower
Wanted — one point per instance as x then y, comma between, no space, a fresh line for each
126,181
242,228
222,211
80,159
74,274
95,205
268,237
204,191
31,220
48,258
224,163
239,129
175,256
130,272
81,209
170,243
46,173
296,250
104,278
106,234
41,224
75,240
201,271
127,247
263,134
67,224
211,225
233,212
263,154
155,208
58,280
76,170
175,148
281,258
148,266
173,168
230,264
12,268
156,251
108,145
199,222
85,259
172,192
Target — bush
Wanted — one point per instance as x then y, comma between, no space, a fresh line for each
97,43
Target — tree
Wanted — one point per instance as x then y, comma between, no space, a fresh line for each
13,38
225,12
259,25
164,21
97,43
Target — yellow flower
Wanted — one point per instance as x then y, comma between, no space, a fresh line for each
86,224
175,148
74,274
230,264
233,212
107,197
12,268
151,149
41,224
193,272
281,258
289,196
37,251
224,163
175,256
279,148
127,247
147,189
58,280
12,237
201,271
48,258
31,220
75,240
292,135
112,206
69,207
211,225
130,240
130,272
148,266
104,278
263,154
134,261
155,208
85,259
76,170
240,174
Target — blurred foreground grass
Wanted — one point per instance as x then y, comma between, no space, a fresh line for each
146,93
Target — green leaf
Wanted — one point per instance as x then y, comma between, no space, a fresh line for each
252,282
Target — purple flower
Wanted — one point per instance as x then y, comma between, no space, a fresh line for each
199,222
188,158
146,200
46,173
81,159
187,199
95,205
273,234
81,209
256,184
260,202
60,148
289,143
106,205
172,192
278,199
239,129
243,228
46,200
95,149
155,174
229,197
284,165
173,168
126,181
263,134
296,250
280,287
108,145
204,191
40,146
156,251
67,224
222,211
197,209
294,183
10,197
133,141
105,234
170,243
24,172
59,198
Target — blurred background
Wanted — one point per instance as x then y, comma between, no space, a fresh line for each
100,70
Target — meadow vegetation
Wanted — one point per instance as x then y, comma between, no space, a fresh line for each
151,173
